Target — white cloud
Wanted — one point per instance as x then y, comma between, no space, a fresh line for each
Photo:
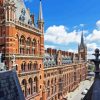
78,26
82,25
60,34
94,36
50,46
75,27
98,24
71,50
91,46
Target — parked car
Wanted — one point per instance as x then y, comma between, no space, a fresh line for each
84,92
88,78
87,89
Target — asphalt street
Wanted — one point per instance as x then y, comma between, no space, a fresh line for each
76,95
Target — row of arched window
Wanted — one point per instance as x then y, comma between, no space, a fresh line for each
29,87
28,46
51,90
24,50
29,66
53,81
51,86
28,41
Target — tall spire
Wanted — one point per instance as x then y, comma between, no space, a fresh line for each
82,38
82,49
40,17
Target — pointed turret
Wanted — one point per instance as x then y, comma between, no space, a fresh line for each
40,19
82,45
82,39
82,48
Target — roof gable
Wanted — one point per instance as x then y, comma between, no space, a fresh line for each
22,13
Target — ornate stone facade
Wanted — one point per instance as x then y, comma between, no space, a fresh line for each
10,88
48,76
25,41
63,71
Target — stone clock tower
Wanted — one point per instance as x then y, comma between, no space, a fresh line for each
82,49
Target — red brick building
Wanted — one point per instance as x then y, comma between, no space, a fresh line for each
25,41
48,76
63,71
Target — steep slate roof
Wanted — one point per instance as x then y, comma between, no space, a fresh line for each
10,88
20,11
23,14
50,60
19,7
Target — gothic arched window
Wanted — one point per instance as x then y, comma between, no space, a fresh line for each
24,85
31,85
28,42
36,84
22,40
23,65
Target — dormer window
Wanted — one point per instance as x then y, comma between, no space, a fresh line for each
46,58
30,22
23,12
22,18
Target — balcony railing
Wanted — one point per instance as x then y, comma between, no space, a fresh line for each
22,73
26,56
31,96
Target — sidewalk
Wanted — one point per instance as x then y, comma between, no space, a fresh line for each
76,94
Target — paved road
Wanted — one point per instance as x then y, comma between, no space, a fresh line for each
76,95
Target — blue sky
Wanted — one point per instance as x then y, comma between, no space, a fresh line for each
64,20
67,12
